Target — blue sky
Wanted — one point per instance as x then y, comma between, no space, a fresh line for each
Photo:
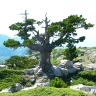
56,10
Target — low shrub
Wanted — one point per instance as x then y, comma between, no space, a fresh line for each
9,77
88,74
58,83
20,62
86,77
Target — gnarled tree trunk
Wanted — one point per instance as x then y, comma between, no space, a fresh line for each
45,63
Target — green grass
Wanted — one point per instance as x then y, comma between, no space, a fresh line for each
8,77
47,91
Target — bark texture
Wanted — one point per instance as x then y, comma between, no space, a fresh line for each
45,63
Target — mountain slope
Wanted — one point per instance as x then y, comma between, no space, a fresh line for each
3,38
6,53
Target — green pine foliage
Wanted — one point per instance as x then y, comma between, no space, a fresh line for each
20,62
86,77
11,43
70,52
58,83
88,74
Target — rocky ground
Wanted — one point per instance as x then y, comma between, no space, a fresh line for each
35,75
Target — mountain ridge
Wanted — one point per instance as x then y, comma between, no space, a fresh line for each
6,52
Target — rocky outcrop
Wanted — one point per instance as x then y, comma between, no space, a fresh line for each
35,77
84,88
78,65
90,67
65,64
66,67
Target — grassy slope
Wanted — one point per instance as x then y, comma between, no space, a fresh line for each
47,91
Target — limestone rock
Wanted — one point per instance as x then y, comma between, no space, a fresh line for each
84,88
32,79
28,71
40,72
66,63
90,67
78,65
57,71
16,87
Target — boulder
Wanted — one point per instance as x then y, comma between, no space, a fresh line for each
16,87
72,70
29,72
64,71
66,64
78,65
93,91
57,71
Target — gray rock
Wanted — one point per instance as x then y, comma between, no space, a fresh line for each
36,69
84,88
16,87
64,71
32,79
40,72
90,67
72,70
29,72
57,71
93,91
66,64
78,65
42,84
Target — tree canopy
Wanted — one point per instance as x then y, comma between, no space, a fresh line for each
65,30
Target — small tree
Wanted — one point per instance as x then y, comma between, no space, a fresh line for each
45,43
70,52
20,62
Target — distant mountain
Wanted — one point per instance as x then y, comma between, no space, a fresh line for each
3,38
6,53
